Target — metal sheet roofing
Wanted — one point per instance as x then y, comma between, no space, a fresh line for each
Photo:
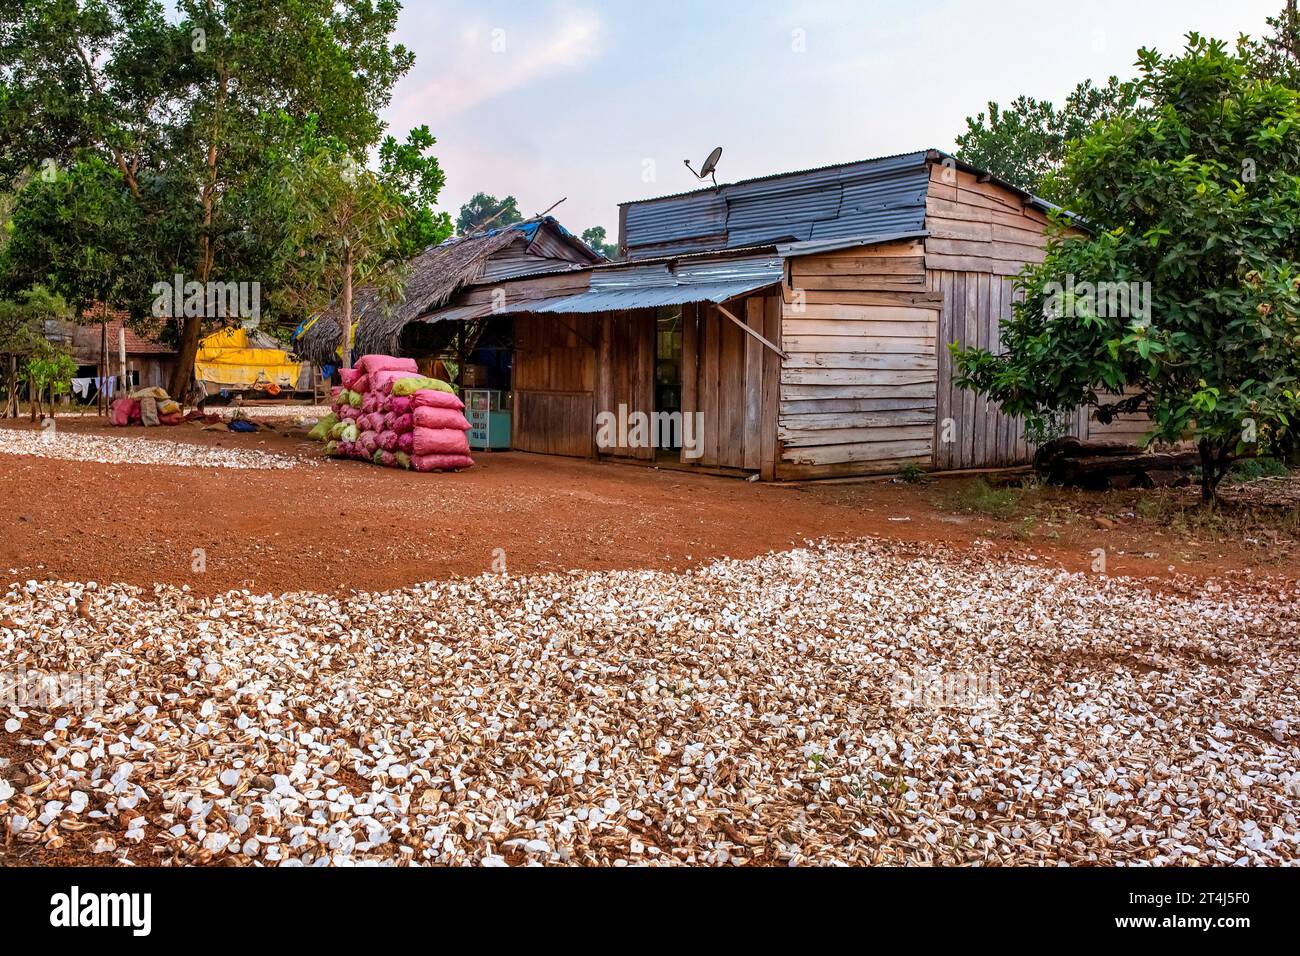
666,283
872,196
644,286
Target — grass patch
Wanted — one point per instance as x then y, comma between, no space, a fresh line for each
914,475
1252,469
979,497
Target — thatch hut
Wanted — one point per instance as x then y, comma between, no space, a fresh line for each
535,246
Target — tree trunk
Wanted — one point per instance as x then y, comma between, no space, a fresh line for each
11,393
188,348
1215,463
347,306
192,328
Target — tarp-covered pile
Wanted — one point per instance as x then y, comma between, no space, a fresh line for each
236,358
389,414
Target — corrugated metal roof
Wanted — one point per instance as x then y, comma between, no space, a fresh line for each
644,286
817,246
650,297
880,195
666,283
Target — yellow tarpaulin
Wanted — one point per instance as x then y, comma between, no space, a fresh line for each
226,358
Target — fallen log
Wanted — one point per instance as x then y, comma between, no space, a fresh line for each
1095,465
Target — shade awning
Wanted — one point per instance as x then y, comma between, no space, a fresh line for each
652,297
646,286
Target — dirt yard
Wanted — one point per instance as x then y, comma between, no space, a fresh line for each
299,529
303,662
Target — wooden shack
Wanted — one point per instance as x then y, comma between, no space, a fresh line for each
802,320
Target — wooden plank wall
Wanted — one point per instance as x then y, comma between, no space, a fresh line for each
980,236
554,382
858,389
979,227
732,378
625,370
971,432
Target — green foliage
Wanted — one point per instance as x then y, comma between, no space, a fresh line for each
343,227
415,178
1025,142
595,238
914,474
1252,469
1277,56
81,234
484,211
1196,192
50,369
23,318
185,101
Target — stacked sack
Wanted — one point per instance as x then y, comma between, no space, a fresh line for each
389,414
146,406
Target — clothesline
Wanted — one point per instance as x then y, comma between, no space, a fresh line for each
82,386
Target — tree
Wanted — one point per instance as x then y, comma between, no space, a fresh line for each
191,105
1277,56
23,321
346,229
49,371
595,238
1198,195
1025,143
484,211
415,178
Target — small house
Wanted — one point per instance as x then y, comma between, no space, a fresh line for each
794,326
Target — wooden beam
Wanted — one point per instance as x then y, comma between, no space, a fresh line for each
748,331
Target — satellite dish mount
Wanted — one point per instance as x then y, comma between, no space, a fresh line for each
710,167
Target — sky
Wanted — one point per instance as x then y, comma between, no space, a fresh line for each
598,103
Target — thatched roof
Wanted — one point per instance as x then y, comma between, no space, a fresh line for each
434,276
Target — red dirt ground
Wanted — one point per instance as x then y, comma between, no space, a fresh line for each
349,526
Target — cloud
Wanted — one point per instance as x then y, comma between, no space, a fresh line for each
490,60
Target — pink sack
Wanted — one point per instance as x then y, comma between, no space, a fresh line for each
388,459
369,441
335,392
389,418
123,411
370,364
349,414
370,402
383,381
441,462
403,423
349,376
440,441
440,418
406,442
388,441
401,405
431,398
362,385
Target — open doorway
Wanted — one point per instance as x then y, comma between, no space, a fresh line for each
668,374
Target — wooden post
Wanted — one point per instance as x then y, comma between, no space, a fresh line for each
102,404
347,305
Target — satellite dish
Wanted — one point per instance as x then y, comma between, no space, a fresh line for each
710,166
